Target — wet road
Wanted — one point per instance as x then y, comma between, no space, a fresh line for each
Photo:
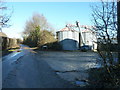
9,60
26,69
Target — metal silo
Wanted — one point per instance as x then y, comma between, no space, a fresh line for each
68,39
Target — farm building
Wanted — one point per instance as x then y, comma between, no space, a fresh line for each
69,38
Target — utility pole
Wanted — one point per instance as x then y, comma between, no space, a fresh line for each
118,31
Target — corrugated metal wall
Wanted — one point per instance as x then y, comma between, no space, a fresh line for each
69,40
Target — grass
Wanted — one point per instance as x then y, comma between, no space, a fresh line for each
8,51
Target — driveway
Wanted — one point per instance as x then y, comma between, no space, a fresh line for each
46,69
70,66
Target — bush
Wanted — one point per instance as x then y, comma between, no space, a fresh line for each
54,46
102,78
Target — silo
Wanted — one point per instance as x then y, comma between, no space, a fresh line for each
90,38
68,39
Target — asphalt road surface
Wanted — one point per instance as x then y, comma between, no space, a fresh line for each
26,69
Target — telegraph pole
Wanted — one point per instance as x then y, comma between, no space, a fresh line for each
118,31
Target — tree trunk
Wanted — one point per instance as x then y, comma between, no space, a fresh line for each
118,32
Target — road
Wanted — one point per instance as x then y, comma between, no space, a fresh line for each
46,69
25,69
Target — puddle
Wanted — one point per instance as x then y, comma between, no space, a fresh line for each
81,83
15,54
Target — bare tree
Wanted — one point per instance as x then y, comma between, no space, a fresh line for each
37,20
4,15
36,30
105,21
106,26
